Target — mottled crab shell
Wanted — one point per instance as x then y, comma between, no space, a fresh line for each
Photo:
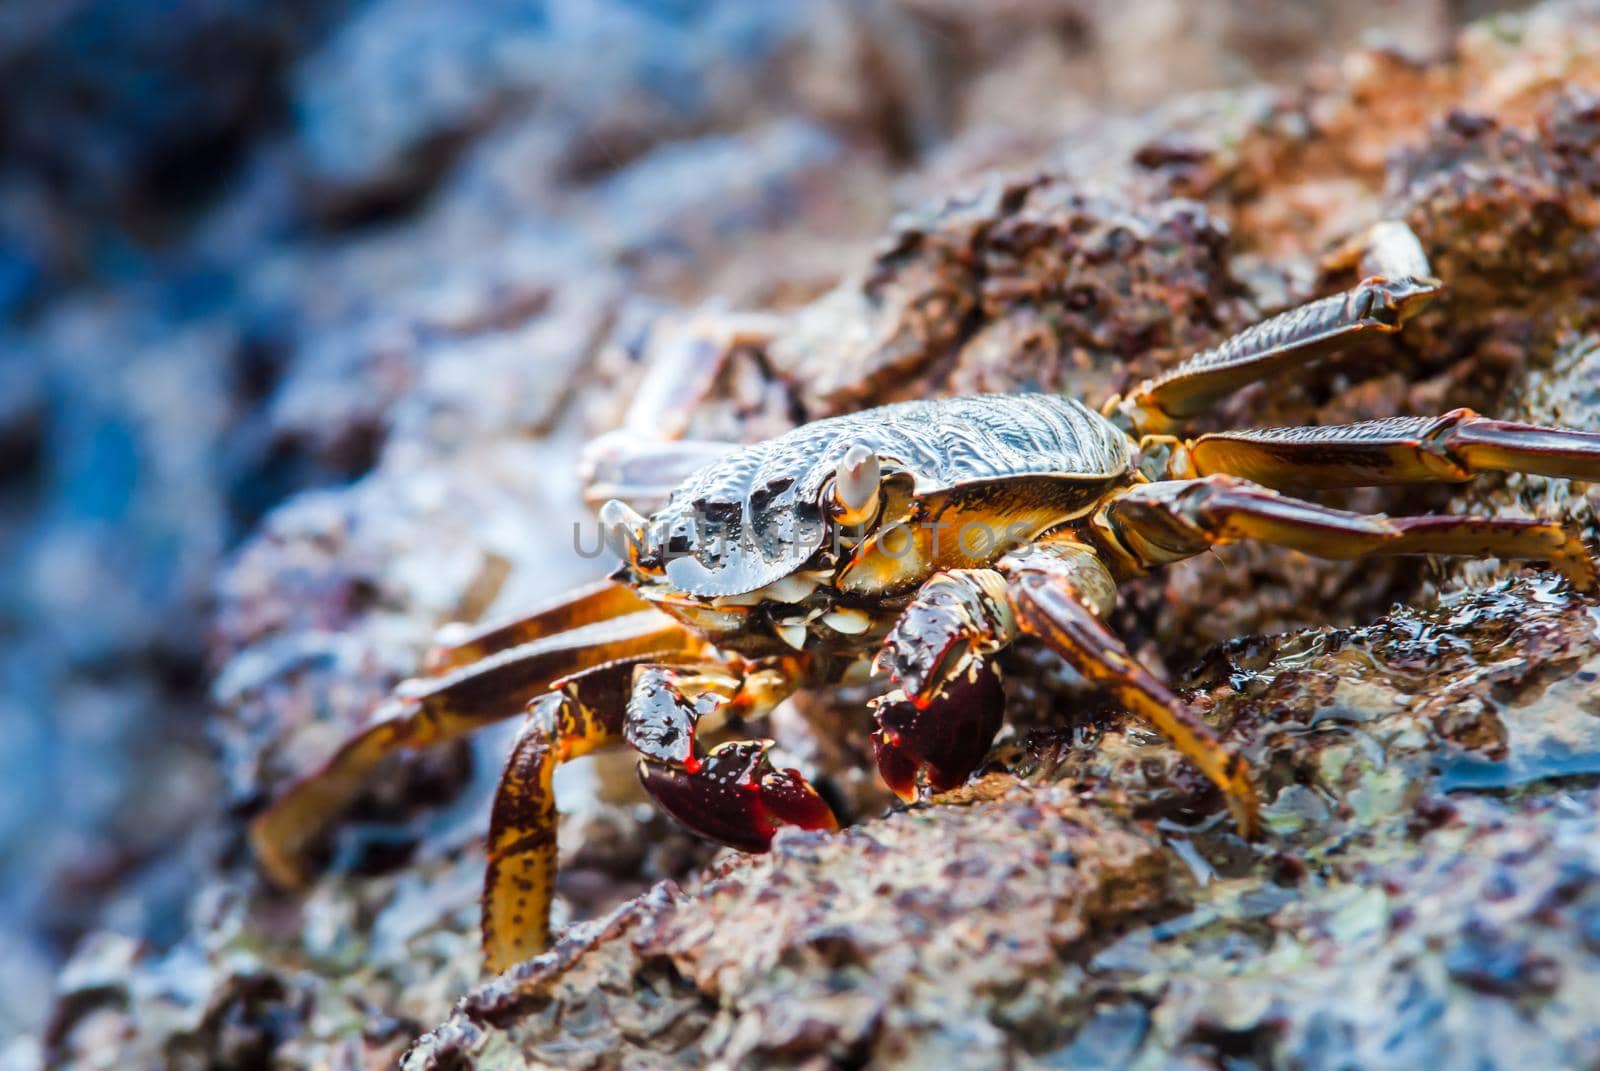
757,514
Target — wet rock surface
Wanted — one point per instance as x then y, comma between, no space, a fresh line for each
359,381
879,941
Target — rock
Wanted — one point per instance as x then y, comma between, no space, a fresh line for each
884,939
390,99
124,108
939,310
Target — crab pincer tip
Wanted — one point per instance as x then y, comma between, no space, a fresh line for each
897,768
790,799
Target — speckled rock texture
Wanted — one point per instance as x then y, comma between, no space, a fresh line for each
379,350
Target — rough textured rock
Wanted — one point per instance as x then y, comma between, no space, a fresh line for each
1454,918
925,936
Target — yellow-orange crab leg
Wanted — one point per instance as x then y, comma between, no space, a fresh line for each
1060,591
584,715
1399,283
1450,448
431,711
460,645
1155,523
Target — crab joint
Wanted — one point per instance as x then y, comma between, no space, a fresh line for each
958,617
855,485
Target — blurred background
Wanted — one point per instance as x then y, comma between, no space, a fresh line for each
253,251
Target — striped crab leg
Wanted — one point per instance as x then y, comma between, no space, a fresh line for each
730,793
1059,590
1451,448
1397,285
460,645
1155,523
507,670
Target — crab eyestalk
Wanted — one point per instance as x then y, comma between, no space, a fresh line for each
623,528
1392,249
855,486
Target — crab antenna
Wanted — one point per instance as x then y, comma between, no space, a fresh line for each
623,528
855,485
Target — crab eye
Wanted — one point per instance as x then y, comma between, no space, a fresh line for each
623,528
855,485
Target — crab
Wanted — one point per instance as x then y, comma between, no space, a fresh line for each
910,544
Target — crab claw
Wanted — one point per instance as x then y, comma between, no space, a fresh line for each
736,797
942,742
954,622
926,646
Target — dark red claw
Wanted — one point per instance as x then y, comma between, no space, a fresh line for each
943,741
899,770
791,800
736,797
937,638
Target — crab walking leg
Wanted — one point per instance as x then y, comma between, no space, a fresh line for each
1398,285
686,367
732,794
1060,591
519,881
583,715
1450,448
461,645
432,711
1155,523
643,461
